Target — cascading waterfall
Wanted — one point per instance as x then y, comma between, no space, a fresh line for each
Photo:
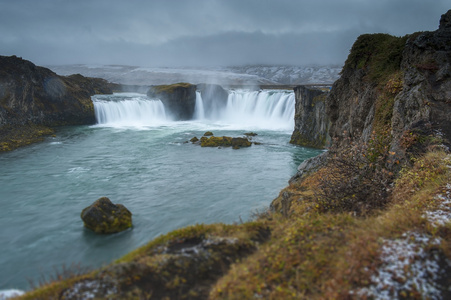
267,109
199,112
129,110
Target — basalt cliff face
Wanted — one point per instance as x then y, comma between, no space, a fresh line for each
179,99
32,98
311,128
29,93
402,85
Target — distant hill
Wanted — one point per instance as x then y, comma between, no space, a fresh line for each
239,75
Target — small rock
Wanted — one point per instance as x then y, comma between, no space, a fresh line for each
105,217
208,133
250,134
194,140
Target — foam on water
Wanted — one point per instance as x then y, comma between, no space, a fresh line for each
129,110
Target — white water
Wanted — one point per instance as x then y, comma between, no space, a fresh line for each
129,110
253,110
273,110
199,112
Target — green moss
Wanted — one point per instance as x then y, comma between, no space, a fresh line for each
171,87
12,137
298,139
224,141
379,54
319,98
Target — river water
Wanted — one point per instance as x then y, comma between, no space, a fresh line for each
137,156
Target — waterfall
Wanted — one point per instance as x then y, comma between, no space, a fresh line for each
199,112
240,109
127,109
267,109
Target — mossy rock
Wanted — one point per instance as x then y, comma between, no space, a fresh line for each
194,140
208,133
250,134
105,217
225,141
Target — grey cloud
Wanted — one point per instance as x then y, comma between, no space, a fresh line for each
202,32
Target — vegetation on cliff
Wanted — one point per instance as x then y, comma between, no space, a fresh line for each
33,98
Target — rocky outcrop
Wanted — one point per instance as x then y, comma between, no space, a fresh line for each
394,86
33,98
32,94
105,217
311,122
225,141
392,90
424,104
179,99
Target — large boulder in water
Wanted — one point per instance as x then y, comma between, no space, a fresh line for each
178,99
224,141
105,217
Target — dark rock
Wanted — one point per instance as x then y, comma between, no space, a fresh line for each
32,94
208,133
178,99
105,217
250,134
311,121
309,166
194,140
362,102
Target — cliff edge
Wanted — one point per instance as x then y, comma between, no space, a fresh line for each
34,98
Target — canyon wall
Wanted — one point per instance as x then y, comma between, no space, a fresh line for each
32,94
311,121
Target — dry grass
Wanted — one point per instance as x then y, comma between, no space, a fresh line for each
315,255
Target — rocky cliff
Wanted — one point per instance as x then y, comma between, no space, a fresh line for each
178,99
29,93
394,86
311,128
33,97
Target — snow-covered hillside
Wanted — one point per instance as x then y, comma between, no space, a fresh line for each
243,75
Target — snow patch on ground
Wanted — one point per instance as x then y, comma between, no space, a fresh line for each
6,294
406,267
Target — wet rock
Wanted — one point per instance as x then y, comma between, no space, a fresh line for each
105,217
225,141
179,99
208,133
194,140
250,134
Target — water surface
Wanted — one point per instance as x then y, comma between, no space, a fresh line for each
150,168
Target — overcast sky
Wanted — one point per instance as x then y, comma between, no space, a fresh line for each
173,33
